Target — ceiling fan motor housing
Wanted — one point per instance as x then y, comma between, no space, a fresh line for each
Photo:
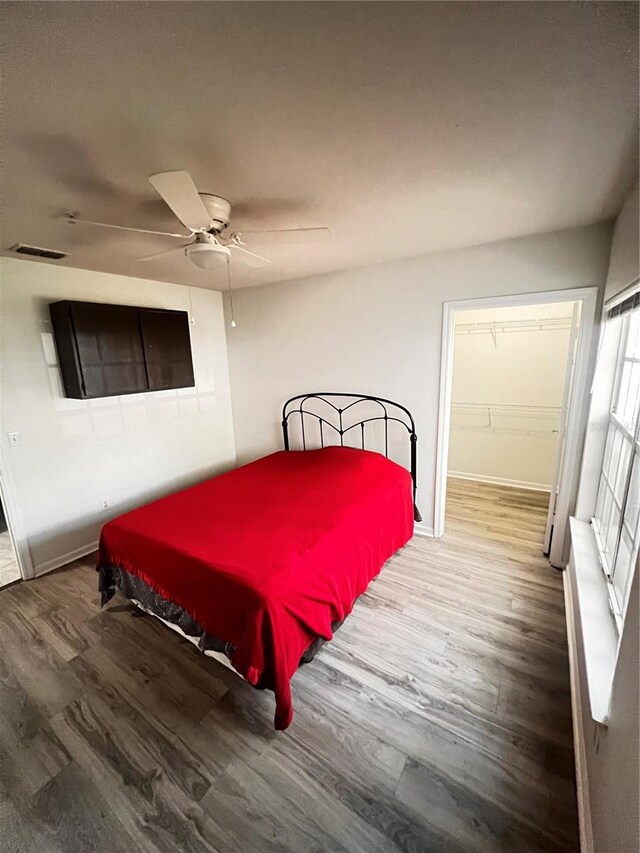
219,211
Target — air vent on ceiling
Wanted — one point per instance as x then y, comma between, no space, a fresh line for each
37,252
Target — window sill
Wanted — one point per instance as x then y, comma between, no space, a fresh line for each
597,625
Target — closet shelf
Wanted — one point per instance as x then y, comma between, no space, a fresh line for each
493,415
540,324
494,328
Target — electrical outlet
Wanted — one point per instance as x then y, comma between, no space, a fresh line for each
14,439
104,503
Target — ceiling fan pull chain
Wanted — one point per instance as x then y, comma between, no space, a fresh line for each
230,289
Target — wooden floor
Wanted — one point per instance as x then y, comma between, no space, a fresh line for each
437,720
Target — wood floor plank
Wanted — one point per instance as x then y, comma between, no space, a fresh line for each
126,717
480,769
30,753
255,801
438,719
136,779
153,684
35,664
363,757
319,792
468,821
24,598
62,818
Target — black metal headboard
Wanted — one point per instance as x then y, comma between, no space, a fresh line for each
389,412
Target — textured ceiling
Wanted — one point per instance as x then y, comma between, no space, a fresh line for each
406,127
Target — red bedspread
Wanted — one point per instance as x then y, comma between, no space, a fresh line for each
267,556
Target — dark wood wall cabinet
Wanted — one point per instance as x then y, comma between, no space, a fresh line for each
108,350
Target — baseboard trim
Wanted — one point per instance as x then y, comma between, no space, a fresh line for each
582,782
63,559
422,530
500,481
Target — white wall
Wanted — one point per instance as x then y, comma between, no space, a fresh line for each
624,266
127,449
523,367
612,754
377,330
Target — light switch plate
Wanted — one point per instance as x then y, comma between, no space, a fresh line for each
14,439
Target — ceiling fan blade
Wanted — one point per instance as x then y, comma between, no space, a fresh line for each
73,219
250,258
180,193
164,254
277,236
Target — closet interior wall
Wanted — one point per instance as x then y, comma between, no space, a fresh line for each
509,369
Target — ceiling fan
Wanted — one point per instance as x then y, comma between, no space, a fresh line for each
206,217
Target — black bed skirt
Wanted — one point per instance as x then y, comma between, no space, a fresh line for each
135,589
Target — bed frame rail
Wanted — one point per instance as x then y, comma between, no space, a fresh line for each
390,412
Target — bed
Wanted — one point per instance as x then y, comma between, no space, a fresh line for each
260,565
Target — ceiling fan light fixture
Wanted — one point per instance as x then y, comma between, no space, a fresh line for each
207,256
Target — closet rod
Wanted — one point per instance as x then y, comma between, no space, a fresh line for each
533,325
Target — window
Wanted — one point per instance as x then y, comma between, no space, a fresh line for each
616,522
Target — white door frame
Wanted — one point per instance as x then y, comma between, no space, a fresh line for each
14,523
572,351
568,481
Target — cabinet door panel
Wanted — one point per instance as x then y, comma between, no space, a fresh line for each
109,349
167,348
